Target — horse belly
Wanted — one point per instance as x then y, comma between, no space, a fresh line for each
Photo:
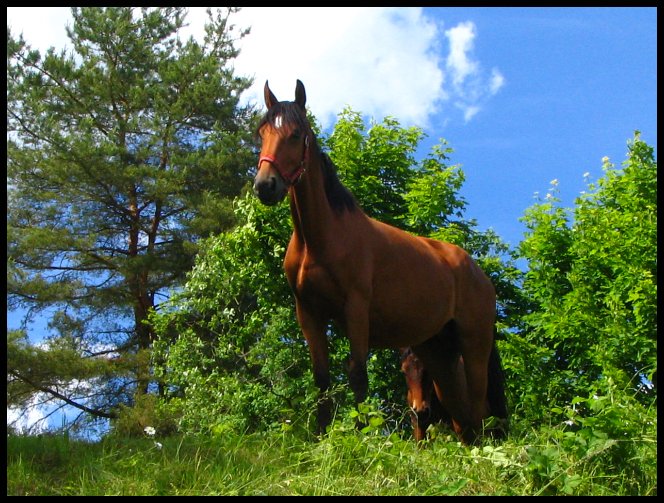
407,311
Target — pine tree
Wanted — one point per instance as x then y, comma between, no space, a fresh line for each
120,155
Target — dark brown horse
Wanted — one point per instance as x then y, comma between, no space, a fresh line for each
423,402
424,396
382,286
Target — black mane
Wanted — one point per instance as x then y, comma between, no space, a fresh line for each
339,197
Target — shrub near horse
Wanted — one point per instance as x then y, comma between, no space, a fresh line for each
383,287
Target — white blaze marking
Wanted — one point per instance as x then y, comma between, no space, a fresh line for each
278,121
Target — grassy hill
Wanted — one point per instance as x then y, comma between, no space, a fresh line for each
346,462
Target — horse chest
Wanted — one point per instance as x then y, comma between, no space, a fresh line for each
317,286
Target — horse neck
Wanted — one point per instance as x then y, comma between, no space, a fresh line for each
310,209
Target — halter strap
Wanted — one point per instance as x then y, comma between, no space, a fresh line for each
294,177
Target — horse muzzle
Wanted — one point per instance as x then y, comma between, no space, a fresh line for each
269,188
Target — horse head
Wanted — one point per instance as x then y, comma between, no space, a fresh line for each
285,137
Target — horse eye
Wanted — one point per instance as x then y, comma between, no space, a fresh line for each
295,135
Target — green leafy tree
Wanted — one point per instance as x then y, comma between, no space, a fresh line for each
233,353
592,277
120,155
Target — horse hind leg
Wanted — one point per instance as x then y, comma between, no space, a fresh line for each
476,345
497,402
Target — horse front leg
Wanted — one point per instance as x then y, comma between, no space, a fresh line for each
357,331
314,330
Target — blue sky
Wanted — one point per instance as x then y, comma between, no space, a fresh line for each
523,95
570,85
578,82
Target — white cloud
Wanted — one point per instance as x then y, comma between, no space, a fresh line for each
471,87
497,81
469,111
379,61
42,27
461,43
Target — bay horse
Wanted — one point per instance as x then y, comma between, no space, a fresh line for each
422,396
383,287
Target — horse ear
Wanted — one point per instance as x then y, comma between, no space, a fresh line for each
270,98
300,95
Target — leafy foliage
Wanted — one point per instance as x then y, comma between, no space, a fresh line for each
592,277
54,372
233,313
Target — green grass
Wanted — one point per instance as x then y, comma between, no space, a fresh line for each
346,462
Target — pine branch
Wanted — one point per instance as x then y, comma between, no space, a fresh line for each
59,396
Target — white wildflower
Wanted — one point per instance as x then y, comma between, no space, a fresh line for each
149,431
554,182
158,445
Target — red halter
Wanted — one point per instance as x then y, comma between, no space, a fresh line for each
294,177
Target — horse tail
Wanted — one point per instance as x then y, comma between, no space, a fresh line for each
496,389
